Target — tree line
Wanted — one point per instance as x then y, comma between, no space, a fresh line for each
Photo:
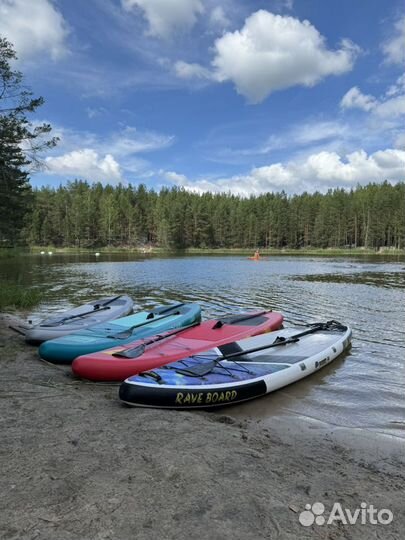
81,214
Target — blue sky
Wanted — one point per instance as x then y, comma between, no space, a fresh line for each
232,95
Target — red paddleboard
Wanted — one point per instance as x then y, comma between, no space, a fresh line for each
119,363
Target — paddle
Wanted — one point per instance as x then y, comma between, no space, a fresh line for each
204,368
128,333
279,341
140,349
97,307
236,319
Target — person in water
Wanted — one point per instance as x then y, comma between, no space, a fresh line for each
256,255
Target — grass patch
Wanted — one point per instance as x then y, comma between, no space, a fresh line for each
17,297
10,252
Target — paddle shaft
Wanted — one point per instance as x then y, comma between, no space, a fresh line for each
124,333
126,353
107,302
128,332
288,341
95,310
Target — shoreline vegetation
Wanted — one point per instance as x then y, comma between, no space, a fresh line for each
156,251
14,296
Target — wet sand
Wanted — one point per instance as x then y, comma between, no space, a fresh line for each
76,464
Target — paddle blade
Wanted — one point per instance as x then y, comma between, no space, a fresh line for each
131,353
121,335
235,319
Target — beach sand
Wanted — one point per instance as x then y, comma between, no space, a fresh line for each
76,464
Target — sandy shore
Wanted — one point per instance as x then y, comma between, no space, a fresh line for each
78,465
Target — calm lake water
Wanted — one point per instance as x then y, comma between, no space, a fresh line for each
362,389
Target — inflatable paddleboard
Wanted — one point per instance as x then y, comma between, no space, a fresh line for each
125,330
80,317
241,371
118,363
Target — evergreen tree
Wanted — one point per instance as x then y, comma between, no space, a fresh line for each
20,144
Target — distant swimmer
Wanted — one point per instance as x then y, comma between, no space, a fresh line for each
256,256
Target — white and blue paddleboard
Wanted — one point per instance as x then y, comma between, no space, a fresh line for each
239,371
77,318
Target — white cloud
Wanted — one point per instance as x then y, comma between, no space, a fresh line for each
218,18
33,27
167,16
130,141
95,112
314,132
85,164
394,48
289,4
400,140
185,70
397,88
317,172
355,99
231,145
272,52
330,168
121,144
389,106
87,155
175,178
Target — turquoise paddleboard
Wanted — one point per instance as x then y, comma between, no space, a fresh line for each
65,349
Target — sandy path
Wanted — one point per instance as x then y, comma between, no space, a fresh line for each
78,465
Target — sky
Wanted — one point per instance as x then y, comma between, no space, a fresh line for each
241,96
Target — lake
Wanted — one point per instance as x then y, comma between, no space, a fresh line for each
362,389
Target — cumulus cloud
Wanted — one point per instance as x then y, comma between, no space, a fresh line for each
175,178
355,99
167,16
86,163
319,171
272,52
394,48
390,105
33,27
